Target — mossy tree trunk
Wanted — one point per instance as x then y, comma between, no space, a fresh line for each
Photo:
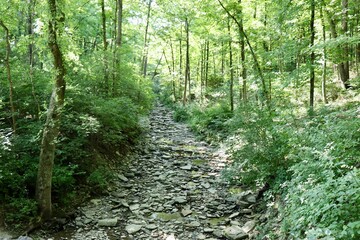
52,125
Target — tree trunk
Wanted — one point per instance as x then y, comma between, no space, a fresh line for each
31,54
312,55
222,59
243,65
52,125
187,62
173,70
119,22
145,50
358,45
342,66
207,47
106,67
202,70
119,18
324,73
8,72
264,94
231,91
115,48
180,63
345,51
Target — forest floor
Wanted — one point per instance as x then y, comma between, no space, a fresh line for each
171,190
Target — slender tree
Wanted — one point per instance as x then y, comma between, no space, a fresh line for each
264,95
342,66
105,43
242,52
8,72
312,55
231,91
30,32
187,61
324,73
52,125
145,50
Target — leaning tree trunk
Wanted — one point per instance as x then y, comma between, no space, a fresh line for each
264,93
52,125
8,72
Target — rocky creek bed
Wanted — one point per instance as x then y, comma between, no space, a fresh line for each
172,190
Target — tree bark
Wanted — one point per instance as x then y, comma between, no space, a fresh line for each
243,64
342,66
231,90
345,51
145,50
207,51
30,31
117,60
119,22
106,67
180,62
8,72
312,55
324,73
187,62
52,125
173,70
202,69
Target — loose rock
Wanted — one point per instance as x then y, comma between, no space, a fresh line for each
110,222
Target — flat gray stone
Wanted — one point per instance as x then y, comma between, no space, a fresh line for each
151,227
251,199
208,230
108,222
194,224
250,225
134,207
235,233
133,228
180,200
186,167
186,212
123,178
234,215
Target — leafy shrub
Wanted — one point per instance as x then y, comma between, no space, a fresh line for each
181,113
118,119
259,156
21,209
99,179
324,188
211,122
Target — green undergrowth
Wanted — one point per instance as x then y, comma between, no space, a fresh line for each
310,162
96,133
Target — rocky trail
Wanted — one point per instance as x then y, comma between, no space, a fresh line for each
172,190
